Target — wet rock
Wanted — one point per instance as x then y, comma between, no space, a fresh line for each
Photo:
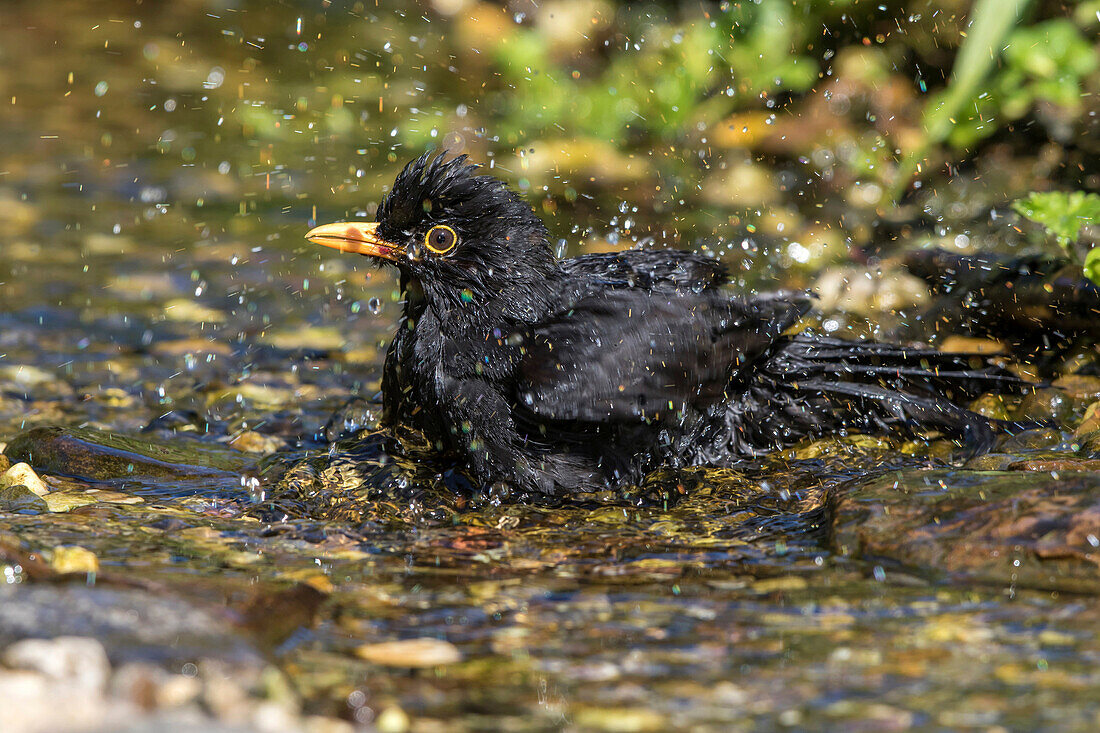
317,338
101,456
1056,463
251,441
79,661
868,292
392,720
1013,528
74,559
1047,404
188,311
417,653
956,344
1090,423
1031,440
23,475
621,720
19,498
1079,385
991,406
64,501
992,462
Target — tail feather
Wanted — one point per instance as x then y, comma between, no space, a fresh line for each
810,386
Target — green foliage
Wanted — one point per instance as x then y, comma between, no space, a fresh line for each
991,23
1092,265
1046,62
1063,214
678,75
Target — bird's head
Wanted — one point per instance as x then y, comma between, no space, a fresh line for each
461,237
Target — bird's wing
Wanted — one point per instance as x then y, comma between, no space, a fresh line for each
648,270
628,355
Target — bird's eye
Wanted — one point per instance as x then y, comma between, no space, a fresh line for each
440,239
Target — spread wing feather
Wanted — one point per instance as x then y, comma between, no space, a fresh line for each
624,355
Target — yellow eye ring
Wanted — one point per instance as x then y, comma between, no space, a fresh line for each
440,239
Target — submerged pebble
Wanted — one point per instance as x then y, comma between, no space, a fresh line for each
22,474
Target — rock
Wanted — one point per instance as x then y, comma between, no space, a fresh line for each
956,344
252,442
991,406
19,498
1031,440
1067,463
868,292
23,475
25,375
191,346
1046,404
417,653
1005,528
79,661
74,559
1079,385
317,338
101,456
621,720
64,501
188,311
1090,423
392,720
992,462
5,463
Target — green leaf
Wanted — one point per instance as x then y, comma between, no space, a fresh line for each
1092,265
1062,213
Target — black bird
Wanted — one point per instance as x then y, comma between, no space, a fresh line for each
547,376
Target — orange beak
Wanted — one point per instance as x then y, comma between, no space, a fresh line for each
360,239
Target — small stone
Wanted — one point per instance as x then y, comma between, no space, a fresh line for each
320,338
22,474
419,653
74,559
1031,440
392,720
5,463
1090,423
63,501
19,498
188,311
1079,385
621,720
968,345
195,346
992,462
25,375
76,660
1047,465
252,442
991,406
773,585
